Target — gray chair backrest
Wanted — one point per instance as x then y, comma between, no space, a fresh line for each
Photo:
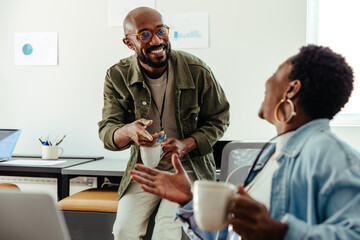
238,175
238,153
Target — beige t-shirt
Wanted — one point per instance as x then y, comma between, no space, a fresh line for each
157,88
260,186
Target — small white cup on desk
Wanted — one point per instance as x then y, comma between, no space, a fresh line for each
51,152
150,156
211,202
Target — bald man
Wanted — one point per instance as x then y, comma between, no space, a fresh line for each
159,92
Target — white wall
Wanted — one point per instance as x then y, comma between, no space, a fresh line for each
248,40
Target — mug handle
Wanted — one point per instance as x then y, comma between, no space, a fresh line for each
62,151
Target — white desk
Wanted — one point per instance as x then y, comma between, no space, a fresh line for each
103,167
51,171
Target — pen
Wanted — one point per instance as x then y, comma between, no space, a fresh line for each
60,140
47,142
55,140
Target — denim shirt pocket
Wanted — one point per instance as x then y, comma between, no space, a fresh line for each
189,119
128,108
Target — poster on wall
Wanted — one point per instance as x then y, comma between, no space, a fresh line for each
188,30
118,9
36,48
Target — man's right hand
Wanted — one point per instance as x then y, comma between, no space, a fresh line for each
174,187
136,131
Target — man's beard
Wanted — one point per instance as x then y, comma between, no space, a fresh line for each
142,58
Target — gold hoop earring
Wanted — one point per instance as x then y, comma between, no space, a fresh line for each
276,112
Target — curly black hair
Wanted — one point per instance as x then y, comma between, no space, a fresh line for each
326,80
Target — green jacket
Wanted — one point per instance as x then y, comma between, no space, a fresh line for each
201,108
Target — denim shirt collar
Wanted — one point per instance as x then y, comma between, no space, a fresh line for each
295,143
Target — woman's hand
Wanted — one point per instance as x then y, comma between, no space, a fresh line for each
251,219
174,187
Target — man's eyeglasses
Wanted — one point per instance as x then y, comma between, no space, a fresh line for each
146,36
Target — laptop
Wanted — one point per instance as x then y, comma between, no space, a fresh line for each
8,140
30,216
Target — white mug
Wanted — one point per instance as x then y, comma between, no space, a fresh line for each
51,152
211,202
150,156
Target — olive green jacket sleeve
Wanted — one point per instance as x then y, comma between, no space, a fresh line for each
118,104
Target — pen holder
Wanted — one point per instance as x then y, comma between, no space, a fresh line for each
51,152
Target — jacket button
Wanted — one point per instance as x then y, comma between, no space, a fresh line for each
143,103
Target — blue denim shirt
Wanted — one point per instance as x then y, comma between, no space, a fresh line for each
315,190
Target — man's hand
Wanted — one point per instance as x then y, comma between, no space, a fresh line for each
136,131
174,187
251,220
179,147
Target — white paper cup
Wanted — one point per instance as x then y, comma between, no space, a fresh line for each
51,152
150,156
211,202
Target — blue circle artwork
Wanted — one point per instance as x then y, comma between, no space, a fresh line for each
27,49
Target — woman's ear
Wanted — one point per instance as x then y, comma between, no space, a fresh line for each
128,43
293,89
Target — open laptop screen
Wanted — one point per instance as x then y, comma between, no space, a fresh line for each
30,216
8,140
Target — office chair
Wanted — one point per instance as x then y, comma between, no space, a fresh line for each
237,158
239,174
217,152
